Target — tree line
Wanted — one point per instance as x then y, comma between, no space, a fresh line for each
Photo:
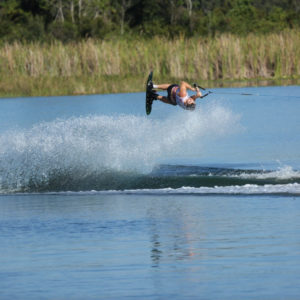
68,20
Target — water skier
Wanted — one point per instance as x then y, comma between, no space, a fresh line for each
177,94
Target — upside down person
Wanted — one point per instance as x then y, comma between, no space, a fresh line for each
177,94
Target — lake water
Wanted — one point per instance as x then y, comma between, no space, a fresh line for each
100,201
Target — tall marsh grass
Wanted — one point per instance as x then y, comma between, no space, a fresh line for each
95,66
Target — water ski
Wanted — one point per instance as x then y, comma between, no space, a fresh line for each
149,94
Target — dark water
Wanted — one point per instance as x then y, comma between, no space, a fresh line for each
98,201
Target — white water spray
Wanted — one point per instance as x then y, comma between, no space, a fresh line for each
96,144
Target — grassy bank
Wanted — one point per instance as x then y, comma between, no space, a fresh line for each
95,66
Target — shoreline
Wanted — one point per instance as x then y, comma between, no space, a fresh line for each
55,87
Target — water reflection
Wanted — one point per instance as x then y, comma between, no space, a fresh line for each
156,253
173,233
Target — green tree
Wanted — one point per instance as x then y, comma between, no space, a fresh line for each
242,17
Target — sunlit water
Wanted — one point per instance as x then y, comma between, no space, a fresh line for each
99,201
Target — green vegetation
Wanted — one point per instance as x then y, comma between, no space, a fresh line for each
95,66
54,47
69,20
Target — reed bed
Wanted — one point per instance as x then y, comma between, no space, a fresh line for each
95,66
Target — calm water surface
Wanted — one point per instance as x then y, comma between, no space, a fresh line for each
98,201
110,247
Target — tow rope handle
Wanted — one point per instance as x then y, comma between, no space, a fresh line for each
209,92
202,88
